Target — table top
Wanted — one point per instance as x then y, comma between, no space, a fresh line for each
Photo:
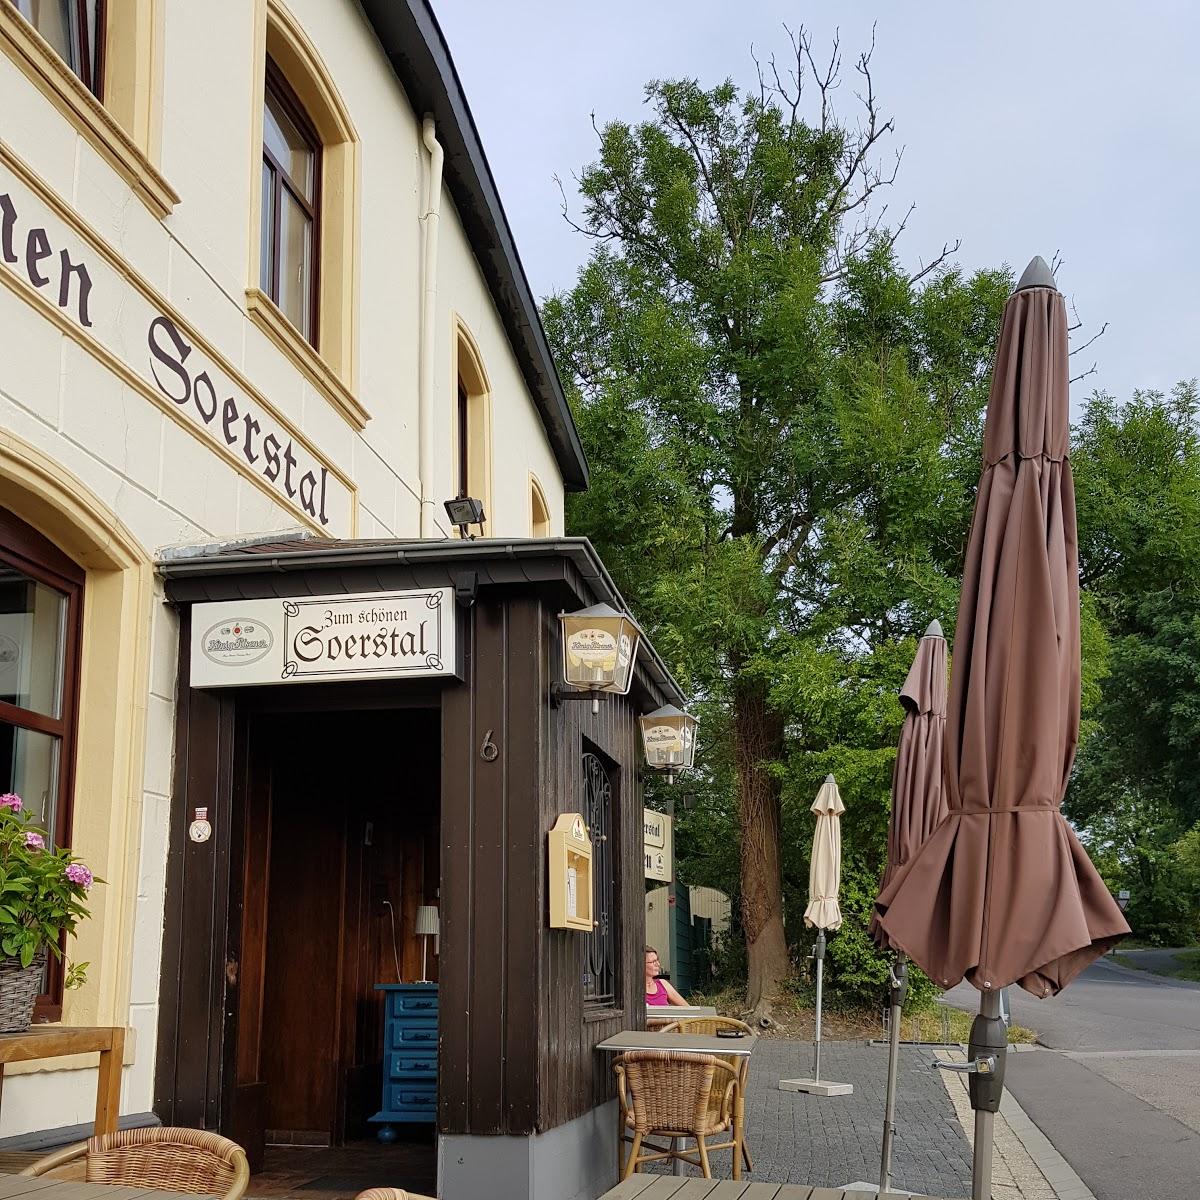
683,1043
671,1187
69,1189
51,1041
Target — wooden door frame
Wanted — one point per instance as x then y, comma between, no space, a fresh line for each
196,1063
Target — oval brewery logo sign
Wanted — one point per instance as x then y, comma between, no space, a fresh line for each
235,642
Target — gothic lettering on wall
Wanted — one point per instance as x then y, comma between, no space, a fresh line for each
124,318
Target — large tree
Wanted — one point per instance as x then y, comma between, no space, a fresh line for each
783,422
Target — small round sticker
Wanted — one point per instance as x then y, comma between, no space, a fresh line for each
200,831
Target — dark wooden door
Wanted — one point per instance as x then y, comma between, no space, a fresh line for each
302,984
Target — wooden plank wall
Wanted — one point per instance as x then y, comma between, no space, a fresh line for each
573,1078
191,1062
516,1039
490,911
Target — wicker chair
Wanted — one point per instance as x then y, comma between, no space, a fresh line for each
740,1062
172,1160
389,1194
670,1095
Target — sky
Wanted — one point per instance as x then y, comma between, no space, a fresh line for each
1068,126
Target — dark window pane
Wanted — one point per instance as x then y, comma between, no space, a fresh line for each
29,767
295,263
32,635
58,22
290,148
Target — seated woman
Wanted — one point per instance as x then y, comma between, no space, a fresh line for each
658,991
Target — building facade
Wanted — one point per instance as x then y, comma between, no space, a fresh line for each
259,290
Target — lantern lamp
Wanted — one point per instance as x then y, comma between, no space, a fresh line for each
599,648
669,739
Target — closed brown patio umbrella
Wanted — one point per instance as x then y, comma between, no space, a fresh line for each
918,806
918,795
1002,891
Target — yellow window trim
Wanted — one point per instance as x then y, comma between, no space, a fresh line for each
332,366
467,365
133,62
56,81
537,499
119,595
268,316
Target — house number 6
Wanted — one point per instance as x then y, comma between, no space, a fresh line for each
489,751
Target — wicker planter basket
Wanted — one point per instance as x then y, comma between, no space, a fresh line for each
19,989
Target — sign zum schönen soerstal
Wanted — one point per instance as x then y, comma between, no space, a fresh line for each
323,638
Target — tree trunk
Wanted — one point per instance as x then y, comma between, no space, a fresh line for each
758,740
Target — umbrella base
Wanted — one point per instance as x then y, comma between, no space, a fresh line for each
816,1087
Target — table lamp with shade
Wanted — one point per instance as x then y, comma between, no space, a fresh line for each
427,927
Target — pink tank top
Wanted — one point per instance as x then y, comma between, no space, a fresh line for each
659,996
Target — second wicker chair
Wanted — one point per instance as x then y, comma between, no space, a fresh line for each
669,1095
740,1063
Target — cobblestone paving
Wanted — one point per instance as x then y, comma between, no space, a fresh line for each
834,1141
796,1138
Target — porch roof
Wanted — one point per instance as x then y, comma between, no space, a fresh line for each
219,572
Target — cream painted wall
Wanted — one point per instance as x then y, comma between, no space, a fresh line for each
62,391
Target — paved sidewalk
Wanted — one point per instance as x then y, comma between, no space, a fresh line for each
796,1138
836,1141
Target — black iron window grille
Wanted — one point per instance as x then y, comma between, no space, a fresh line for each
599,972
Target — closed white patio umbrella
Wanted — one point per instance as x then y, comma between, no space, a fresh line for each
823,912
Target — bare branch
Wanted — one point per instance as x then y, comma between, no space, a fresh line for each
1094,337
1090,371
948,250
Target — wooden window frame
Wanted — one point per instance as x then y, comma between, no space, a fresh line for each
277,86
464,439
26,550
81,44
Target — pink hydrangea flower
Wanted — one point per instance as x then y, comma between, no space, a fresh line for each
11,800
78,873
34,841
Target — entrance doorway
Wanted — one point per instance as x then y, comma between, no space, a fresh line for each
339,847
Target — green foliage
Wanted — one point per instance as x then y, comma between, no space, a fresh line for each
42,890
783,425
1136,794
857,972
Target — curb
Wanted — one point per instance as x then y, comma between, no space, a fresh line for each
1058,1172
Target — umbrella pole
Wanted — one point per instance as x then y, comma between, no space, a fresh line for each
819,955
989,1044
898,985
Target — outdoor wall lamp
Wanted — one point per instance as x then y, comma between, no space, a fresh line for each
669,739
465,511
599,647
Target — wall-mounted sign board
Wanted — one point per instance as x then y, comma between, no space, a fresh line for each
657,844
570,874
373,635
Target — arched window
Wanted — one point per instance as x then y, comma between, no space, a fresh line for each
472,475
41,616
304,257
539,510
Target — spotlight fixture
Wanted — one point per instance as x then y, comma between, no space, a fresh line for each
465,511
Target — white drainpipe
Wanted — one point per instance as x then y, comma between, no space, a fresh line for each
426,348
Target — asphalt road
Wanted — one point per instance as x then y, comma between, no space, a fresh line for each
1117,1087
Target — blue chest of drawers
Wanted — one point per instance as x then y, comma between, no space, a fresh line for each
410,1056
